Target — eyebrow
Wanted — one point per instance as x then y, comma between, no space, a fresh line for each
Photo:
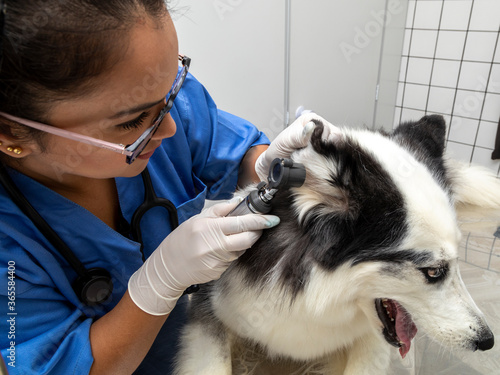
136,109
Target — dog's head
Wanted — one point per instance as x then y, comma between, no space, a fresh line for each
376,221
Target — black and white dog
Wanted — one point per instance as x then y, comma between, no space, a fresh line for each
366,252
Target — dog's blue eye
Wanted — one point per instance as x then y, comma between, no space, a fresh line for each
434,275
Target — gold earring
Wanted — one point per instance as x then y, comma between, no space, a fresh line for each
15,150
1,143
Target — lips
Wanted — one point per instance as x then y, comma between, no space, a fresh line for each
147,155
399,328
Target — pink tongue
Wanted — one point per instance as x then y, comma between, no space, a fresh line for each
405,329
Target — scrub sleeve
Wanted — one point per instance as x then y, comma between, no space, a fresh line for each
48,330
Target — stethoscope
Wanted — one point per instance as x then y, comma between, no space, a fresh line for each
92,286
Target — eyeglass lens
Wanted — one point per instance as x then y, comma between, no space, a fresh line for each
168,105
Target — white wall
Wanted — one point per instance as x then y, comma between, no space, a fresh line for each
238,50
336,54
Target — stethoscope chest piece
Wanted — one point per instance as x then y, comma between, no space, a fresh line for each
95,287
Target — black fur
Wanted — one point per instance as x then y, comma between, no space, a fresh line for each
426,140
365,222
353,235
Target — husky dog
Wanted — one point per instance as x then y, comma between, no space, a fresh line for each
365,254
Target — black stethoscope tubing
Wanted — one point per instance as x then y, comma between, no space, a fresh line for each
92,286
151,200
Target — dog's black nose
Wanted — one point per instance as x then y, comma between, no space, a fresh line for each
485,343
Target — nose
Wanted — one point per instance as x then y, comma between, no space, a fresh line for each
486,341
166,129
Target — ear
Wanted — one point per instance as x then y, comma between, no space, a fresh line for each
476,195
12,143
12,148
427,134
336,175
324,174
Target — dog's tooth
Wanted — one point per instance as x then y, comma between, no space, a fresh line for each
385,305
392,319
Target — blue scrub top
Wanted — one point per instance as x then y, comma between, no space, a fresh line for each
47,331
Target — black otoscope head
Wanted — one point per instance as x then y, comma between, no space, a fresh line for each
282,173
285,173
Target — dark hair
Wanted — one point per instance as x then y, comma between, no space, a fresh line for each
52,49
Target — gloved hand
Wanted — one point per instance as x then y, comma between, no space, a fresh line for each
196,252
294,137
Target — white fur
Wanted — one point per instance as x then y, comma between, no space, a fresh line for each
333,322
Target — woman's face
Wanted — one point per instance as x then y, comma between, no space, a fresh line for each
123,106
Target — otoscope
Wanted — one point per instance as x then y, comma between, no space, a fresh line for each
282,173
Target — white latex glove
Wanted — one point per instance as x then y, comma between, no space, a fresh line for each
196,252
294,137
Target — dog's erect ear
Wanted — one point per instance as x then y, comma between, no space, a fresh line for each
329,171
341,173
427,134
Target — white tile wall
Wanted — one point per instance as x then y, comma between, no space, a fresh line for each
474,75
450,45
427,15
463,129
491,111
419,70
456,15
459,151
423,43
451,66
440,100
485,15
487,132
411,14
415,96
480,46
468,103
482,156
445,73
494,83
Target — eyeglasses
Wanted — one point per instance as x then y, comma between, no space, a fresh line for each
134,149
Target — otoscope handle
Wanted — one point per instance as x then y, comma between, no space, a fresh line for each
252,204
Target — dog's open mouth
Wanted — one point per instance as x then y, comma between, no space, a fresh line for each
399,328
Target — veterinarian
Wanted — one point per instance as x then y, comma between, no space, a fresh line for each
95,291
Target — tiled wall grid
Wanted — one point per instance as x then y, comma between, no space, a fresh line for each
451,66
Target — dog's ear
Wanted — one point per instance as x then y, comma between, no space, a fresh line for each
327,173
427,135
340,174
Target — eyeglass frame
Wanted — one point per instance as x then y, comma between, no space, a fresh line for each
132,150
